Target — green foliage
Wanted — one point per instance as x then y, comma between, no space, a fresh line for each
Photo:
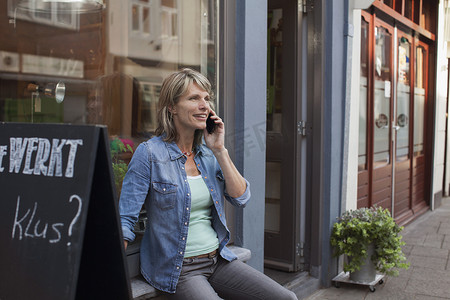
120,168
356,229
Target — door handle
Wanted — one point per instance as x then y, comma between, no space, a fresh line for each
396,127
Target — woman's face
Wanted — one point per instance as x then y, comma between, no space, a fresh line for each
192,110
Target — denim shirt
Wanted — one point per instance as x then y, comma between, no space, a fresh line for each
156,178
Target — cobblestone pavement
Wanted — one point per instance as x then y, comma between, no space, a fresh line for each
427,249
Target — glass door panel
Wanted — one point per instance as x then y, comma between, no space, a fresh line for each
419,198
274,118
403,99
275,70
273,196
382,97
365,128
401,173
362,147
281,233
419,100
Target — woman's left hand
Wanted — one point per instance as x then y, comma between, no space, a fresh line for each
216,140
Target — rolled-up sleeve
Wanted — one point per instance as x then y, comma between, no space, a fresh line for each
242,200
134,190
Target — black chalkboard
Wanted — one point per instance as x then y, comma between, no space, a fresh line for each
59,225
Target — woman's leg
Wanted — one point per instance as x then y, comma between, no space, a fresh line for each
193,283
237,280
196,287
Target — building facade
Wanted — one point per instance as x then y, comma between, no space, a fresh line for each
329,105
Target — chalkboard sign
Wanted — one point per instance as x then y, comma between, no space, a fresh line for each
59,225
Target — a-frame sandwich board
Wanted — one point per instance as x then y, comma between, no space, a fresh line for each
59,226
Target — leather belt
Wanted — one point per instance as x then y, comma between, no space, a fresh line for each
206,255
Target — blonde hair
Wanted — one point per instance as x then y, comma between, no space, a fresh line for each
173,87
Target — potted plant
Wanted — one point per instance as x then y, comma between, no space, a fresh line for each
369,234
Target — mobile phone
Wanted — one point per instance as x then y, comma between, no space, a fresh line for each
210,125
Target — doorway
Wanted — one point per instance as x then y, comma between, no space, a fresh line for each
393,112
282,236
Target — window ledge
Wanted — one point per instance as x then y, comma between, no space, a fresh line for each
142,290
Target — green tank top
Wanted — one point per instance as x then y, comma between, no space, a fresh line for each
202,238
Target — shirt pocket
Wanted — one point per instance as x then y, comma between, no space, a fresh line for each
165,194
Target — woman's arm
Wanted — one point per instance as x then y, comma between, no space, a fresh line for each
134,190
235,183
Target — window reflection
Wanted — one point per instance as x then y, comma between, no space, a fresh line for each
362,148
403,99
382,96
419,101
112,61
55,14
112,69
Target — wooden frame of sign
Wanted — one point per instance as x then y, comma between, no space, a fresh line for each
59,225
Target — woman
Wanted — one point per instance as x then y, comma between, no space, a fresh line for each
183,184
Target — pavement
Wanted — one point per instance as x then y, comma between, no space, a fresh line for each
427,250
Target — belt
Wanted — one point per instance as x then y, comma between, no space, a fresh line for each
206,255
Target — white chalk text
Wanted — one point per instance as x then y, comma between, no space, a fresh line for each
40,156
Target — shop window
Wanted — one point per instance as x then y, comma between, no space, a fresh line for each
112,65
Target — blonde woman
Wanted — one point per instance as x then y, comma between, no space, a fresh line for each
183,183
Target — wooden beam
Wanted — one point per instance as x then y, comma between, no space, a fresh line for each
394,14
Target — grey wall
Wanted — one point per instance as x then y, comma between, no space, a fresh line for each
327,79
329,114
250,121
336,105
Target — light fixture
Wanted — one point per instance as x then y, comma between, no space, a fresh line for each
61,6
56,91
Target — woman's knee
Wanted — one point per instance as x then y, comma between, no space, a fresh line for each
287,295
291,296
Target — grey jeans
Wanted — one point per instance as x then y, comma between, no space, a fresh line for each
216,278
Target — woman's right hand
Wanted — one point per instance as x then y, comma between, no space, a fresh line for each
216,140
125,244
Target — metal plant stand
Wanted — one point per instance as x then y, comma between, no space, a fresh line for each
345,277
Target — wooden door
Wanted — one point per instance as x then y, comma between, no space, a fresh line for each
392,133
380,109
420,104
281,233
402,129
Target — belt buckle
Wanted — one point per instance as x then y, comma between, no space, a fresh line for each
212,254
